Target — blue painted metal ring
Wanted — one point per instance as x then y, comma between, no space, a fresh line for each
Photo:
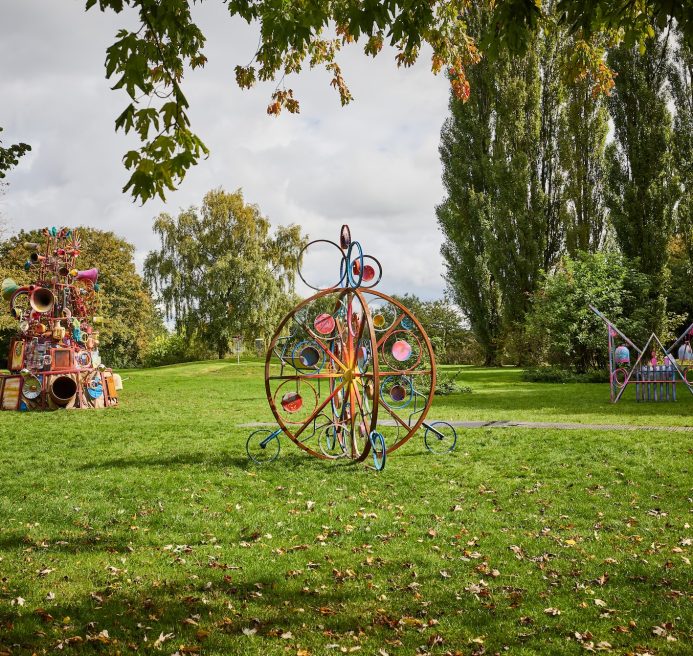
350,265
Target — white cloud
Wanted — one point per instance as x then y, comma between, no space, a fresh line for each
373,164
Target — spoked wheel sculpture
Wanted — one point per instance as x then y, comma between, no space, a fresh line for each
341,362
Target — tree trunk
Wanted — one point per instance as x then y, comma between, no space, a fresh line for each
491,356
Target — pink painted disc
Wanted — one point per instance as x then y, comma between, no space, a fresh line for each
324,323
292,401
401,350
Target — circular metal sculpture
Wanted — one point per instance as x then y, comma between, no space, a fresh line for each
350,372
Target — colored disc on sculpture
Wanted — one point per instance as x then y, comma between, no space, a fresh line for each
362,359
345,237
368,271
324,323
309,356
95,389
622,355
31,388
401,350
292,401
398,393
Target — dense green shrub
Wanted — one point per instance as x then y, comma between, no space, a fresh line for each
447,384
171,348
555,374
562,330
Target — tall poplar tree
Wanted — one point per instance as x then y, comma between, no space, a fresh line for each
582,144
681,85
551,176
494,216
641,192
466,214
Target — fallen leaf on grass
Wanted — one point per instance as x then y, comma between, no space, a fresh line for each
552,611
435,639
249,632
45,616
519,554
663,631
163,637
101,637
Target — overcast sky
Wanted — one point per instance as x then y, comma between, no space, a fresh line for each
373,164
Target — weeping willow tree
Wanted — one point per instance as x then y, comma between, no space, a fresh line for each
221,271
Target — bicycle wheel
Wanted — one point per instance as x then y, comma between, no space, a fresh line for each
262,446
440,437
378,449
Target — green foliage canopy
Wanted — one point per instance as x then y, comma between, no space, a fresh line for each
9,156
443,323
681,85
149,62
220,273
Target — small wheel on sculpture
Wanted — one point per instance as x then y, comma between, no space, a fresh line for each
619,377
330,442
263,446
440,437
378,450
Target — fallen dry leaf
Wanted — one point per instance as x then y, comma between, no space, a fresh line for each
163,637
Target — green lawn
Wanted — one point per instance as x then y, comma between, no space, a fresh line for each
145,529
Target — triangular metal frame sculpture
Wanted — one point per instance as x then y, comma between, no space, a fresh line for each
617,388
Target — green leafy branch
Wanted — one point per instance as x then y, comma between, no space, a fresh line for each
9,157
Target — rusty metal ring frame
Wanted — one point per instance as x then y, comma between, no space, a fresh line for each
348,383
619,377
346,394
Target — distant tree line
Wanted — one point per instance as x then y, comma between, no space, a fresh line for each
547,209
221,272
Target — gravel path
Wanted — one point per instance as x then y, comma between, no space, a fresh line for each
527,424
